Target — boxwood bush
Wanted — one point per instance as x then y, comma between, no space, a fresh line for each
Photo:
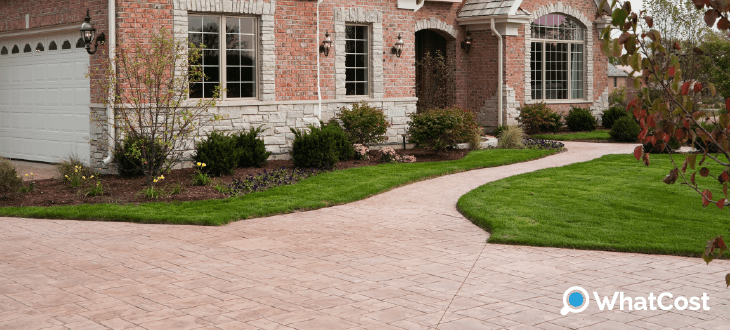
625,129
321,147
537,117
611,115
364,124
580,119
219,152
252,149
10,182
439,129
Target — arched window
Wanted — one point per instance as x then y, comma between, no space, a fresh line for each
80,43
15,49
556,58
39,48
52,46
4,51
66,45
27,49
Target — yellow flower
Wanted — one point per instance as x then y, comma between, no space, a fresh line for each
76,171
66,176
26,175
31,173
83,177
91,177
155,180
203,165
162,177
198,164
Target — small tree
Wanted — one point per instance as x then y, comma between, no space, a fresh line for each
148,84
671,113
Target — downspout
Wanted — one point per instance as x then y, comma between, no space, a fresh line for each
319,89
499,75
112,47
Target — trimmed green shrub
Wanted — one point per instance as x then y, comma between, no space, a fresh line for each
625,129
537,117
611,115
321,147
580,119
219,152
512,138
252,149
364,124
129,155
10,182
439,129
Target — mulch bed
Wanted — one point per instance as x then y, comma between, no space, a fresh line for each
121,190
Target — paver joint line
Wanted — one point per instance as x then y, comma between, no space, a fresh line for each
462,284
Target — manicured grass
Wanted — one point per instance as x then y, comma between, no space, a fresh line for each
601,135
323,190
613,203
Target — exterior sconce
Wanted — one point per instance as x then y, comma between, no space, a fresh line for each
398,46
466,43
88,33
326,44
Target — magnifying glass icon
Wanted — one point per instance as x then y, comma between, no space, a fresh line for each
575,300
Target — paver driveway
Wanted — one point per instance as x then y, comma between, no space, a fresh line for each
405,259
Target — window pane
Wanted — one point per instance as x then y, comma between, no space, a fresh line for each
195,24
196,90
209,89
210,24
557,27
350,74
361,60
241,59
576,71
210,41
349,32
350,88
361,46
350,46
350,60
195,38
361,32
361,74
536,70
210,57
556,70
211,73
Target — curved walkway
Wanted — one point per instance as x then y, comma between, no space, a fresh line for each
405,259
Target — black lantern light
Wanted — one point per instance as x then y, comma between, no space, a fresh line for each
466,43
398,46
88,34
326,44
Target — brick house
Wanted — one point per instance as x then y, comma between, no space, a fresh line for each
277,76
617,78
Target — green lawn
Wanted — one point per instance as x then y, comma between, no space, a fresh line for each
613,203
323,190
601,135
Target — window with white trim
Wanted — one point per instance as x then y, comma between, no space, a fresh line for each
556,58
236,71
357,55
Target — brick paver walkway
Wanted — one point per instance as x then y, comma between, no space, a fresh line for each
405,259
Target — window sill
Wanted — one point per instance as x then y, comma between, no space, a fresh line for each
580,101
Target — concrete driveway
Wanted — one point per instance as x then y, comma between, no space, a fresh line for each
405,259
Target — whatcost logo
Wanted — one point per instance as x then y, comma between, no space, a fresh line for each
575,300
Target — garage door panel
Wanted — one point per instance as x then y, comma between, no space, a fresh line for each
44,97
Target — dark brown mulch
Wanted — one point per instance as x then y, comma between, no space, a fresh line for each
121,190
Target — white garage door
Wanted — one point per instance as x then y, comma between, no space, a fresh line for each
44,98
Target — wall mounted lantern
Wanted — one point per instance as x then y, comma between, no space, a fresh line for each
398,46
88,33
466,43
326,44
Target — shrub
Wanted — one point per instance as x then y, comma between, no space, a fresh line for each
499,130
130,155
364,124
72,169
511,138
321,147
625,129
219,152
361,151
543,144
439,129
10,182
580,119
252,149
611,115
537,117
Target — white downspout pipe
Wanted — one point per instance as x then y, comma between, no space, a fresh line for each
500,69
319,88
112,48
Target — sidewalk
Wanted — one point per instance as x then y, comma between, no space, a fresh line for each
404,259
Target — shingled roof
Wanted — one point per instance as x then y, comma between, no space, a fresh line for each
616,72
486,8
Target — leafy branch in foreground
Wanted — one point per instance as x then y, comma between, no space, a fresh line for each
672,112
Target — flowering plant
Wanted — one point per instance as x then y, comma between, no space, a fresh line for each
390,156
200,178
361,151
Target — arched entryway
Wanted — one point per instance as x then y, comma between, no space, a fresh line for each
434,69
